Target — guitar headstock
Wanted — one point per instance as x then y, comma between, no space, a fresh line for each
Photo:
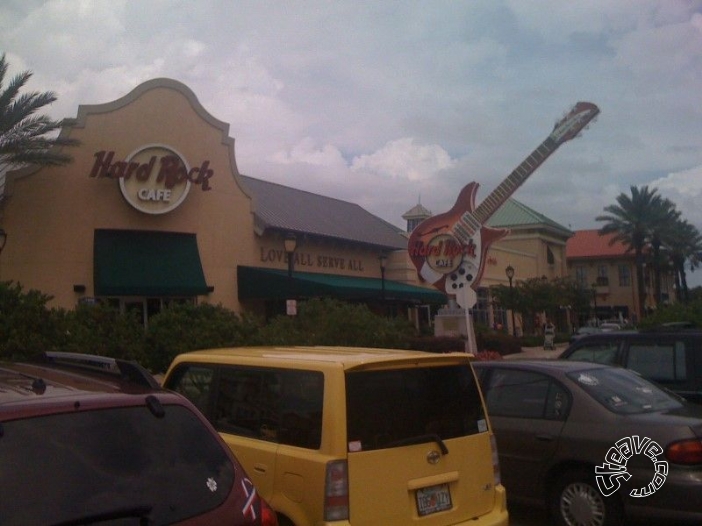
574,122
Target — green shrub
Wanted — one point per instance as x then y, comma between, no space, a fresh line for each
690,312
488,356
103,330
438,344
186,327
497,341
323,321
27,326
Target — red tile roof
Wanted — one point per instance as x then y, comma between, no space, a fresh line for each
590,244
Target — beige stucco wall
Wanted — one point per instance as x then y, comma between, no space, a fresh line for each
527,254
50,214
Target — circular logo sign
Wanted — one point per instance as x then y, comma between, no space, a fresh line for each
444,253
157,179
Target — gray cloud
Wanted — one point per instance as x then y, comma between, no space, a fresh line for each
380,103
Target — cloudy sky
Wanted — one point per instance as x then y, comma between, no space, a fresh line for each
386,103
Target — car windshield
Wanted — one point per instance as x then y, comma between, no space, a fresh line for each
113,463
622,391
395,407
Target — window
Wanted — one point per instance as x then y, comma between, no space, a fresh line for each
195,383
525,394
550,258
277,405
623,392
581,277
624,275
389,407
122,464
661,362
601,272
604,352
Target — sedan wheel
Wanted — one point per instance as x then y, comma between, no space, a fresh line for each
576,501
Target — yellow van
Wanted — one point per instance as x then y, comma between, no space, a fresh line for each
352,436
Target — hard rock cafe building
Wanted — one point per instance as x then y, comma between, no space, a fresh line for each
153,210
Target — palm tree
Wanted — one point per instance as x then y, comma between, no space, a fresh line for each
25,138
664,219
631,223
683,244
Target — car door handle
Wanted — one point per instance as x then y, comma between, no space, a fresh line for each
260,468
544,438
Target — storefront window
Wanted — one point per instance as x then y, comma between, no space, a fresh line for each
143,309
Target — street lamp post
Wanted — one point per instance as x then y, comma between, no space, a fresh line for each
383,262
290,244
594,301
509,271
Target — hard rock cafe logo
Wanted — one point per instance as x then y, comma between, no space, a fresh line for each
443,253
154,179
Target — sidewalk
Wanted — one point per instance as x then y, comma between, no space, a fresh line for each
537,352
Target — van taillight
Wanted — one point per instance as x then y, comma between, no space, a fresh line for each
684,452
336,491
495,461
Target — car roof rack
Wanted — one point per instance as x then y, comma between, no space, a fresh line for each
126,369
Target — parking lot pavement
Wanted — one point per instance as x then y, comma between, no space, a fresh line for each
537,352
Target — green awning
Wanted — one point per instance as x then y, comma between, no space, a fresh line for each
268,284
144,263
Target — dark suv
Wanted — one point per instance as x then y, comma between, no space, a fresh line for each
92,440
671,358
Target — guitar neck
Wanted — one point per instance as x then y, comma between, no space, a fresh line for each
521,173
470,222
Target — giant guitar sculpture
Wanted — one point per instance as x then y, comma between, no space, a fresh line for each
449,249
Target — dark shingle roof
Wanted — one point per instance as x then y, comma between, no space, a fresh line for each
288,209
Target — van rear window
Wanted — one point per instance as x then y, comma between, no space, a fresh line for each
386,408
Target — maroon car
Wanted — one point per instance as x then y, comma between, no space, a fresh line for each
92,440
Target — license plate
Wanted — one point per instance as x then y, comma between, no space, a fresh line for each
433,499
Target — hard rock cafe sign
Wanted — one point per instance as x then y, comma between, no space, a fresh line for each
154,179
449,250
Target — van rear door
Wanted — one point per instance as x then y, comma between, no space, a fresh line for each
419,446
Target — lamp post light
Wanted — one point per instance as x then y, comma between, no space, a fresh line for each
594,301
290,244
509,271
383,262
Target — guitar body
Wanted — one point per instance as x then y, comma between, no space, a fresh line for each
448,250
444,261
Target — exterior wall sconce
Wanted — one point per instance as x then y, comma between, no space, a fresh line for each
290,244
3,239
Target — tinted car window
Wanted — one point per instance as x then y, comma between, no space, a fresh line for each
662,362
621,391
277,405
395,406
124,461
525,394
597,352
